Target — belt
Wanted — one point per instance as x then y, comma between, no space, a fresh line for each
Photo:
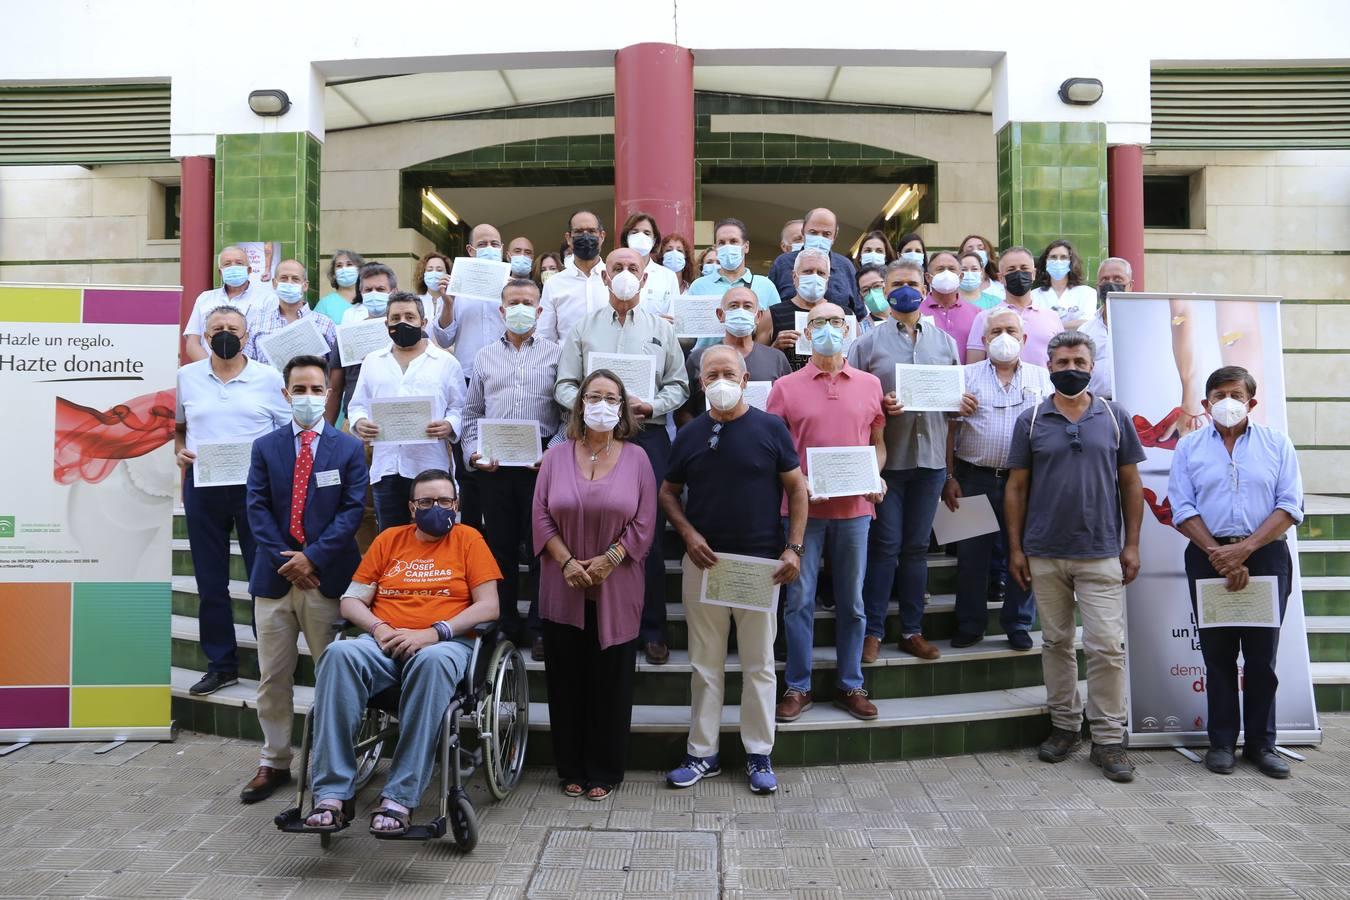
997,473
1237,539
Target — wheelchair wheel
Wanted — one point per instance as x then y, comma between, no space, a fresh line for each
463,822
504,719
370,738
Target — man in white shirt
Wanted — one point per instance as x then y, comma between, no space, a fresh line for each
641,233
236,290
1114,275
579,289
411,367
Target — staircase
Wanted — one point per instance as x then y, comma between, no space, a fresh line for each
980,698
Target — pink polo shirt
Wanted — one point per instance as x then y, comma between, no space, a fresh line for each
821,409
956,319
1040,324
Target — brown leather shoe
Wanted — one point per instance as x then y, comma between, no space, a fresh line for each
793,704
917,646
871,649
657,652
856,704
264,783
537,651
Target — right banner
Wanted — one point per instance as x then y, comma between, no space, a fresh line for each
1164,347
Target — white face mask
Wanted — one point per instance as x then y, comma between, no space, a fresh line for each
723,394
1005,348
600,416
641,242
1228,412
625,285
946,282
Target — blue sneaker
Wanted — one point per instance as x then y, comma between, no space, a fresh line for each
693,770
760,770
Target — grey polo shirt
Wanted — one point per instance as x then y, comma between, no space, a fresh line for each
917,439
1074,506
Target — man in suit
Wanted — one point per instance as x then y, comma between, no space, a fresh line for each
306,495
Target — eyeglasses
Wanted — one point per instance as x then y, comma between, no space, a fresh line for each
601,398
442,502
836,321
716,436
1074,443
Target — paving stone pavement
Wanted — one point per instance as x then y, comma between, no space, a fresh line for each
163,820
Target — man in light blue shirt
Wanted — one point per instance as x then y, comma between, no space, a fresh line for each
1235,490
733,246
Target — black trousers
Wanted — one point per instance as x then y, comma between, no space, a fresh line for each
508,498
656,443
470,501
590,702
1220,647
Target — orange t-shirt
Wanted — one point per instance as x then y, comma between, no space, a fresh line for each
419,582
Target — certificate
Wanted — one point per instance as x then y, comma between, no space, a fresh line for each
757,393
696,317
803,347
403,420
1255,606
637,371
745,582
222,464
930,388
974,517
842,471
479,279
300,338
356,340
509,442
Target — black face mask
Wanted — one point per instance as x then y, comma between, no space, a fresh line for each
225,344
1107,287
405,334
1018,283
585,246
1070,382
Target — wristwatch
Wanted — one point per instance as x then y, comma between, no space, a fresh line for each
797,549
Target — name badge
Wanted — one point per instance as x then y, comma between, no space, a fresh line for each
329,478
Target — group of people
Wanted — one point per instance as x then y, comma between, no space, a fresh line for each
1036,432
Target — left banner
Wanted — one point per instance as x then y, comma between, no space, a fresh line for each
86,511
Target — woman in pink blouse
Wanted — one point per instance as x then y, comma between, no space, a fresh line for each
594,521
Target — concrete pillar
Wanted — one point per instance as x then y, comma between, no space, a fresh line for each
197,252
654,136
1125,192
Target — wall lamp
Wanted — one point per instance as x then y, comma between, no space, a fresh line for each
272,102
1080,91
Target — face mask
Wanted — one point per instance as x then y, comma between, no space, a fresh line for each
600,416
1005,348
723,395
1018,284
984,258
1107,287
875,298
873,258
971,280
1228,412
640,242
624,285
405,334
739,322
730,256
827,340
521,265
946,282
818,242
346,276
546,274
1070,382
904,299
795,246
811,288
709,268
492,253
585,246
674,260
375,302
433,281
913,256
1057,268
307,409
226,345
436,521
289,293
567,259
234,275
520,318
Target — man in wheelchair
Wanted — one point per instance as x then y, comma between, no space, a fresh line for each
417,595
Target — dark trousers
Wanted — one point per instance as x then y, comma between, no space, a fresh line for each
590,702
1220,647
508,499
973,561
211,512
470,495
392,493
656,443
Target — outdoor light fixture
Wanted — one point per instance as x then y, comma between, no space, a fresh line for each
1081,91
269,103
437,202
898,200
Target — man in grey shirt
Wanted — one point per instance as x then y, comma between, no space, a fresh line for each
740,314
1074,483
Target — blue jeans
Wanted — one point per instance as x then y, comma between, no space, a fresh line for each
211,512
848,538
899,536
973,556
349,674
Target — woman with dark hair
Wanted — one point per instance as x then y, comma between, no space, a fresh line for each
984,249
545,267
1059,284
343,271
677,255
913,249
594,522
641,233
875,249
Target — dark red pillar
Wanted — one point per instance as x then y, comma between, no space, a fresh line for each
654,136
197,223
1125,206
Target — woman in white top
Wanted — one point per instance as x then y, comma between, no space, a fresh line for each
431,277
641,233
990,285
1059,285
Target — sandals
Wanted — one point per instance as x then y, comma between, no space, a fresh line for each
389,813
599,792
572,789
342,817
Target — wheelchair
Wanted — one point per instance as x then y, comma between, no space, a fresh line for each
493,701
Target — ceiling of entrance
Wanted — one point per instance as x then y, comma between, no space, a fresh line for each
355,103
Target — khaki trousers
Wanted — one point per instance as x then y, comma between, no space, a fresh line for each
1093,585
279,623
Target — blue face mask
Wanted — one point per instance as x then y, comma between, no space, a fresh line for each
873,258
913,256
811,288
709,268
971,280
984,258
436,521
904,299
289,292
521,265
740,322
818,242
234,275
730,256
346,276
826,339
492,253
433,280
674,260
795,246
1057,268
375,302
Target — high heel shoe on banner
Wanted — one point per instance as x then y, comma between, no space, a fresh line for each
1161,511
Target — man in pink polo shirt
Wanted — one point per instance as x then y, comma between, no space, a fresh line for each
944,304
829,403
1040,323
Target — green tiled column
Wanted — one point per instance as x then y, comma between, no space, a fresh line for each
267,189
1052,184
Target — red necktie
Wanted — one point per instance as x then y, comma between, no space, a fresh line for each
304,464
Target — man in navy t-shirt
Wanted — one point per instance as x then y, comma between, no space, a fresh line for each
736,461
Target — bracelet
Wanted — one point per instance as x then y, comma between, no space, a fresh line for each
443,631
614,555
376,624
567,562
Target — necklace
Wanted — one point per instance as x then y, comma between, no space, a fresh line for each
596,454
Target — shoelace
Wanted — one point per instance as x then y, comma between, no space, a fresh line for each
755,765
